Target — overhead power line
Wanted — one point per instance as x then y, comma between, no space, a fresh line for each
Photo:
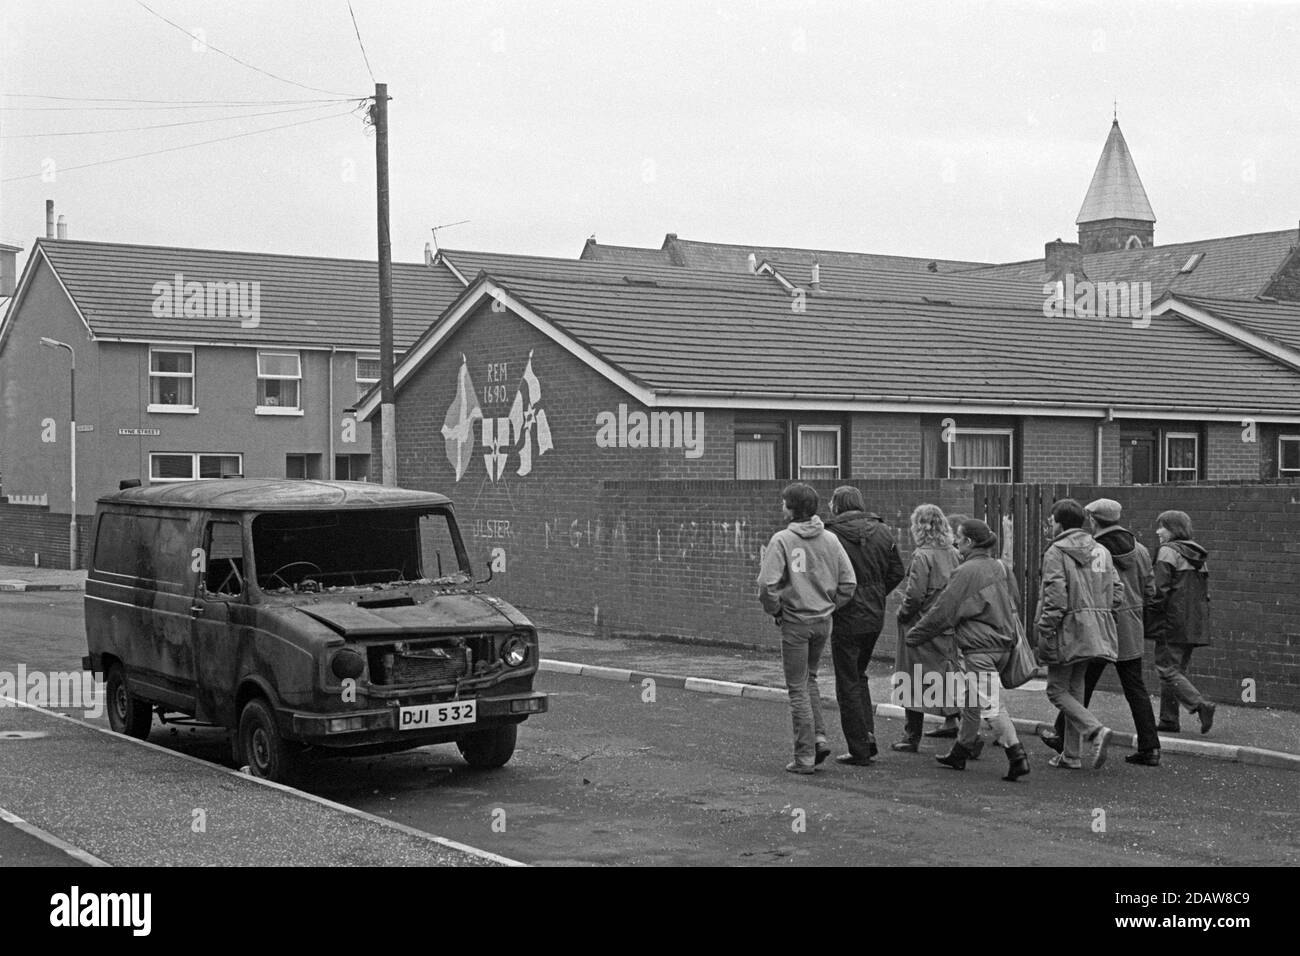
172,149
136,129
357,30
129,99
231,56
234,104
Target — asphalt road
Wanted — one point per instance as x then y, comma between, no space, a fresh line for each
690,778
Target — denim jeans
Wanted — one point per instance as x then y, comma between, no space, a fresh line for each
1135,692
801,650
989,707
850,654
1065,689
1175,688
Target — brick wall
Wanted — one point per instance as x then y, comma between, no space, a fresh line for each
885,446
27,532
1059,449
1228,457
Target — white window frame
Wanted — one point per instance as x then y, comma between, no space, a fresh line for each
1010,434
839,450
1196,469
364,384
280,409
163,408
194,464
1286,472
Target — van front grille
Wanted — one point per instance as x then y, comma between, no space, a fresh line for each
423,665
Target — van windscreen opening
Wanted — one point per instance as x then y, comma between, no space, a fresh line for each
357,549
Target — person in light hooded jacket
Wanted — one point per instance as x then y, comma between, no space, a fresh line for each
1133,565
1076,626
805,575
1179,618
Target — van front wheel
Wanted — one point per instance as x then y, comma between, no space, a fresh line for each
268,754
489,749
127,714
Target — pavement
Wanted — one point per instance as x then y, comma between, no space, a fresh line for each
19,578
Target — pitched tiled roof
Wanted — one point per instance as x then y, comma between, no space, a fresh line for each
303,299
470,263
1116,189
958,288
729,257
1232,267
680,341
1279,321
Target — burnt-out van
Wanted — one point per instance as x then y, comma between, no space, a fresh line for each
308,617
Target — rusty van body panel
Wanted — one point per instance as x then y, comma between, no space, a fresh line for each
348,609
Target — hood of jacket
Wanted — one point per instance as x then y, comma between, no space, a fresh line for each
1190,550
1077,544
1121,543
807,529
853,524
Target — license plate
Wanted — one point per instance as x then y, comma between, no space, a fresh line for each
424,716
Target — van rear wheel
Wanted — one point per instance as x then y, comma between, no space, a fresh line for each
268,755
489,749
127,714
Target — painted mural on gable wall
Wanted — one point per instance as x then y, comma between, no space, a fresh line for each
467,432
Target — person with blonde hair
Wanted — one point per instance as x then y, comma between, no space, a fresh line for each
932,563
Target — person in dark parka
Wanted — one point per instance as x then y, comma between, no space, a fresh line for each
1178,618
857,624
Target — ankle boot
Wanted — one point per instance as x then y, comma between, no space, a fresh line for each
1017,762
976,749
955,758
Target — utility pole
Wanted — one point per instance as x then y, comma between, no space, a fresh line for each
387,408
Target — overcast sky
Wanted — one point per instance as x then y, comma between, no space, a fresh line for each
961,131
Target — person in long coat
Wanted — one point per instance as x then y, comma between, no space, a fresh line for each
933,560
1178,619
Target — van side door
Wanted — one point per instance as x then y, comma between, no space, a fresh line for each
220,609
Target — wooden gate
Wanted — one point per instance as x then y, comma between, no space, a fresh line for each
1021,516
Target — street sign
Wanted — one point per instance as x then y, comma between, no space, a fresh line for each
140,432
85,428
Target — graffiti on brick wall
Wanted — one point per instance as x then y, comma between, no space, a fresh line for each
579,533
523,432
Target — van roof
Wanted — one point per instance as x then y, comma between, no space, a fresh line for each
273,494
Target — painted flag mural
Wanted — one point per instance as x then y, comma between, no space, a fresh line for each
458,425
529,421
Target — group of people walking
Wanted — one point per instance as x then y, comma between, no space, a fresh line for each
1101,597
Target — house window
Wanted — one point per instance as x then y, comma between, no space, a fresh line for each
171,378
1288,456
761,450
819,452
352,467
185,466
1181,456
279,377
367,371
302,466
982,455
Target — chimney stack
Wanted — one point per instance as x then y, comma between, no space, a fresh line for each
816,276
49,219
753,263
62,228
8,269
1063,258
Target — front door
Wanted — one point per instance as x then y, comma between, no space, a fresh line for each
1139,461
219,599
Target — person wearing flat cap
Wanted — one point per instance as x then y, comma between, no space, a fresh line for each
1133,564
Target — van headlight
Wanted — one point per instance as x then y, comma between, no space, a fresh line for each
347,663
515,651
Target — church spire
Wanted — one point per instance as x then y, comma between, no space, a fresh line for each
1116,213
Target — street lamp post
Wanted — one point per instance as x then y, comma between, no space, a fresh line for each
73,551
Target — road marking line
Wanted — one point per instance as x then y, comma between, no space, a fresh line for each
302,794
44,835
